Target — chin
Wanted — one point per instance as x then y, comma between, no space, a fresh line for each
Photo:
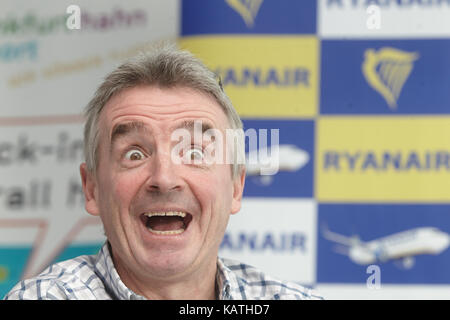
169,264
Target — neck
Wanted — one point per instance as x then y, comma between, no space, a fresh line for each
198,285
201,288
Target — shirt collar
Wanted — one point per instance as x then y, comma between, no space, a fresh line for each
104,267
230,286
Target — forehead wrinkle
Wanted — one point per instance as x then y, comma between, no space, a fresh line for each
156,112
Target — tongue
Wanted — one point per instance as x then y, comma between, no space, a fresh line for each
165,223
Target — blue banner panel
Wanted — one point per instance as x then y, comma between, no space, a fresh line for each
406,244
248,17
385,77
294,163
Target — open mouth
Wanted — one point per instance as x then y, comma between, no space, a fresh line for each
166,223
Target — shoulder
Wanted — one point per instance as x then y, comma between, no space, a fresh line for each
253,284
69,279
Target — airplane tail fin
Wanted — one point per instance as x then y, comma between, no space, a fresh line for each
338,238
340,249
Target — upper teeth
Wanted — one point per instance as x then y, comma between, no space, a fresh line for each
169,213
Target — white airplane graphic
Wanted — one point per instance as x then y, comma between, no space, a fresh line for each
402,246
288,158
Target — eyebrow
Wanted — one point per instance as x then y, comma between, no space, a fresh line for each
126,128
123,129
190,125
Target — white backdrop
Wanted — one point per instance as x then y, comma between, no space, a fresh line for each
48,74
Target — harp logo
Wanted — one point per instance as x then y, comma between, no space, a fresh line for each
387,70
247,9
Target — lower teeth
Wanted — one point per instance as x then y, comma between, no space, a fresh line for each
169,232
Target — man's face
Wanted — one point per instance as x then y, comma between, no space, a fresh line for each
137,181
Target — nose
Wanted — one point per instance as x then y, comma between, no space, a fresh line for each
164,176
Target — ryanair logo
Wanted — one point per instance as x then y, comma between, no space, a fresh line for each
247,9
386,160
262,73
264,77
270,241
383,159
387,70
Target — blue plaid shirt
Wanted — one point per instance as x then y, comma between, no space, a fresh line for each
94,277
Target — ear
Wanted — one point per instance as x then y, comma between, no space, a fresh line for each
238,189
90,190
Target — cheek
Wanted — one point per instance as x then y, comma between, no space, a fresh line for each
126,186
215,191
118,189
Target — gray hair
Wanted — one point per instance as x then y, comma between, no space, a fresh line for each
165,66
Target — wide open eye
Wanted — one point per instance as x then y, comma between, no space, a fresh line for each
193,154
134,155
